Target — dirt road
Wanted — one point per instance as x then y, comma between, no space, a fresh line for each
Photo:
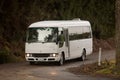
50,71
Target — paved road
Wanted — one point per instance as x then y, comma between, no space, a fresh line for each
45,71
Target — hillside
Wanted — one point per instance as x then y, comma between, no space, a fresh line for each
16,15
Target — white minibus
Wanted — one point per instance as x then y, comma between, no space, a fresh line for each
58,40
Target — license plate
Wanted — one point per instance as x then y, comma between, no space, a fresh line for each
40,59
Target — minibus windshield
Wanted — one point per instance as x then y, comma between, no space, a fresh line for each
42,34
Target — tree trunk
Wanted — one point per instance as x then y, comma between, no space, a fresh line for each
117,18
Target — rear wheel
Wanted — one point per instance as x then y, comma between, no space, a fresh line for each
83,57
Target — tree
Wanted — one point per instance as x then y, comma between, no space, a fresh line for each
117,17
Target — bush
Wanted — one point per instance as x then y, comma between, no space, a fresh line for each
4,56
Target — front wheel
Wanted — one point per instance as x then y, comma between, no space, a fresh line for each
61,62
31,63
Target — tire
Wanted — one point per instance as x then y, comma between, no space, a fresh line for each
31,63
83,57
62,59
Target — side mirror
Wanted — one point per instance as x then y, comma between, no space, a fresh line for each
58,39
56,42
61,32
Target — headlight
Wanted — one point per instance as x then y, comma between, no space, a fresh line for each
54,55
28,55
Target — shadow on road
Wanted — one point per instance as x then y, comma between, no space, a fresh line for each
68,62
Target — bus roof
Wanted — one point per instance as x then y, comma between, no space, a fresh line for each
60,23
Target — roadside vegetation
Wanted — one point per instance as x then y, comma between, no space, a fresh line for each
17,15
107,69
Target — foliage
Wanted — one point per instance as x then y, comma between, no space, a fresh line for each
3,56
16,15
108,68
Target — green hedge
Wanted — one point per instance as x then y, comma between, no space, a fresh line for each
3,57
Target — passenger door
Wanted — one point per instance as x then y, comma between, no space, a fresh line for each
67,48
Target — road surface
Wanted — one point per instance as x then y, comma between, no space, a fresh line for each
50,71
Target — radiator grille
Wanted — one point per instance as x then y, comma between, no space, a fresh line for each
40,55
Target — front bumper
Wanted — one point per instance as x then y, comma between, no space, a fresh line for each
43,59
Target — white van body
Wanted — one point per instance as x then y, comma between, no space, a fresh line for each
57,41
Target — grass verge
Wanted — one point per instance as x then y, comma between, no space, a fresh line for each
107,69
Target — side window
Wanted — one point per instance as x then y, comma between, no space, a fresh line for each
77,33
86,32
